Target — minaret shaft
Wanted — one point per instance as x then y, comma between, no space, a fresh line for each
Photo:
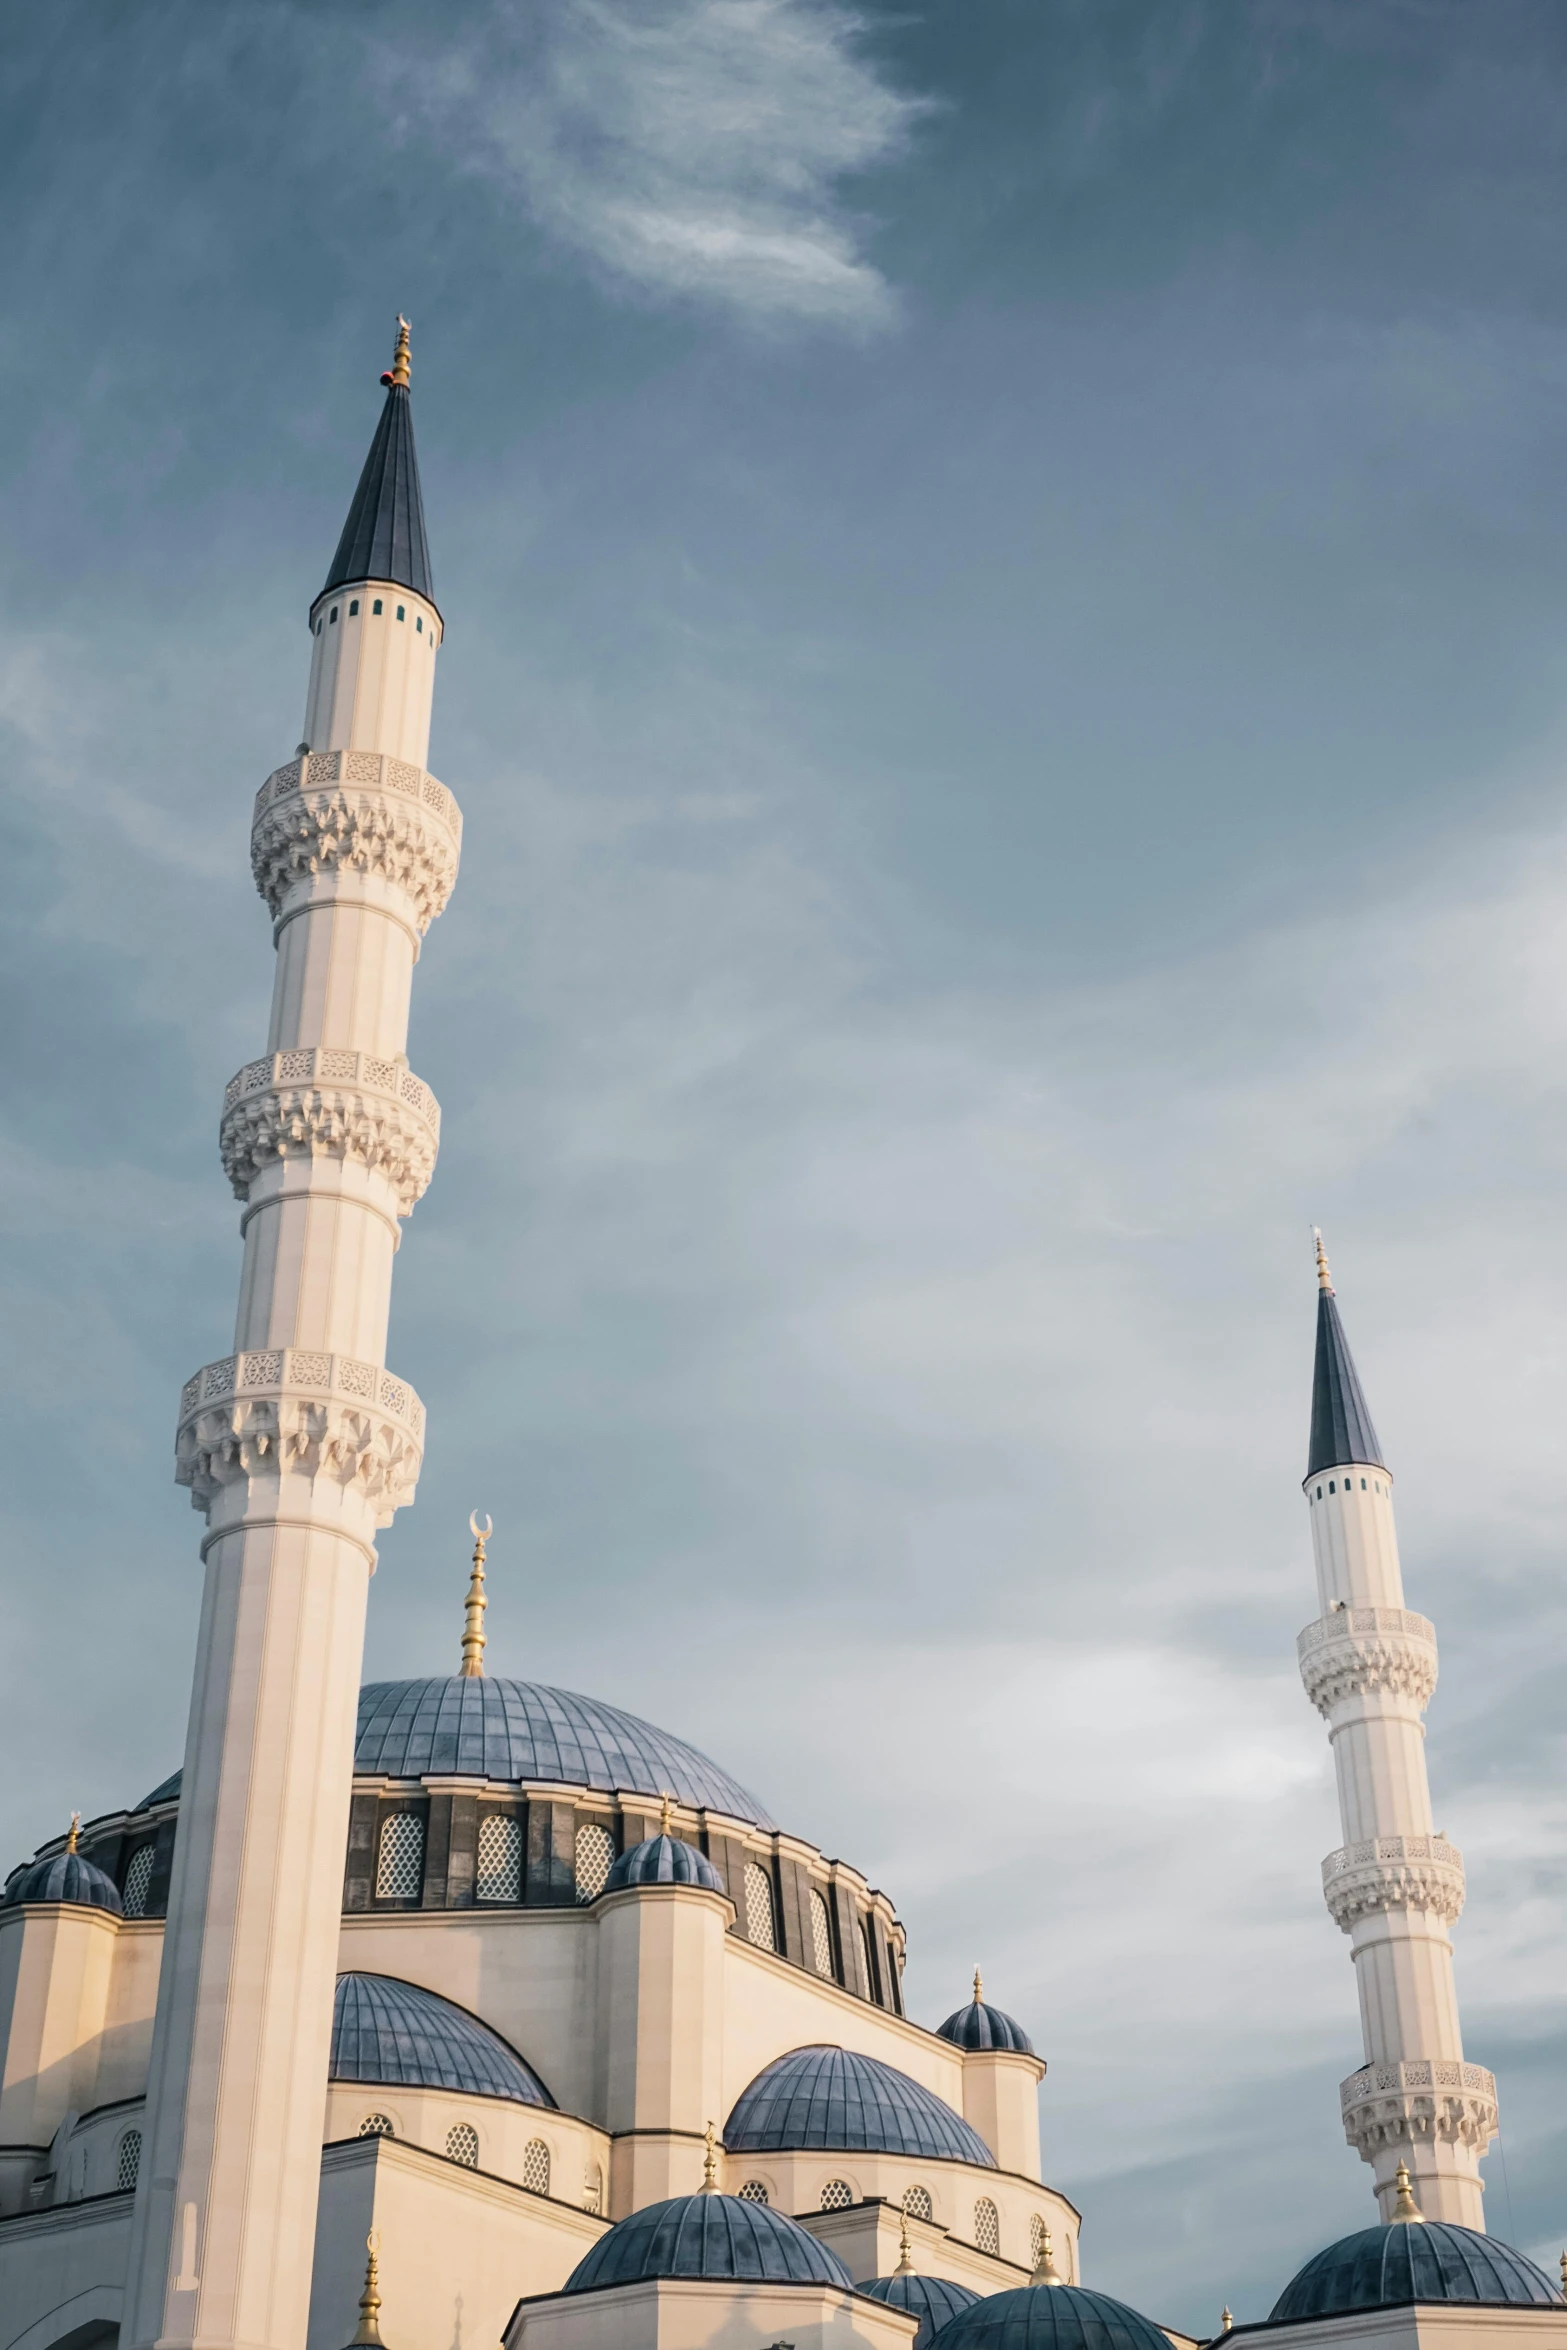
1394,1886
298,1447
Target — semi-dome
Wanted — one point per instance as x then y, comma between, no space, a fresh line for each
834,2100
933,2300
1433,2260
709,2235
64,1876
663,1860
1051,2317
981,2026
399,2035
525,1731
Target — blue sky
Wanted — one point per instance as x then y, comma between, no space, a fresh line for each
1005,584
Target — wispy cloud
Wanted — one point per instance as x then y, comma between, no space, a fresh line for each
695,149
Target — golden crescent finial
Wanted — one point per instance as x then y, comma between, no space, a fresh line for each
664,1827
979,1988
367,2335
905,2267
480,1533
1324,1277
1226,2319
1045,2269
473,1613
70,1841
1404,2205
710,2162
398,372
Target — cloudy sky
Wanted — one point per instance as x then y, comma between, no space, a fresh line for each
1005,565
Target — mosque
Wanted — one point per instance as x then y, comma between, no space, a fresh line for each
463,2012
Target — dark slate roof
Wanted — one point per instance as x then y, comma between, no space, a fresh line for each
1050,2317
709,2236
1341,1427
64,1876
401,2036
933,2300
663,1860
525,1732
981,2026
1389,2267
843,2103
165,1792
383,537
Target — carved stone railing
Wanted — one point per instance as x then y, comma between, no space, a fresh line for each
1431,2098
1393,1872
328,1100
1356,1650
289,1411
356,812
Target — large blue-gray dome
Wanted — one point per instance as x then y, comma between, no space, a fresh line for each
1432,2260
933,2300
831,2099
526,1731
398,2035
663,1860
64,1876
1051,2317
709,2236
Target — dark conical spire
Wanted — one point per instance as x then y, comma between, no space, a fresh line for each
383,537
1341,1429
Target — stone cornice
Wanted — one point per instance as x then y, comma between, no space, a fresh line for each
356,812
328,1100
1354,1651
288,1411
1423,2097
1393,1872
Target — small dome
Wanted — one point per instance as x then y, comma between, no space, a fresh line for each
981,2026
1431,2260
835,2101
398,2035
64,1876
663,1860
1051,2317
933,2300
709,2236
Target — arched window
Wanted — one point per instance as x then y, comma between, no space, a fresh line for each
987,2227
917,2203
837,2195
821,1935
594,1852
536,2167
894,1987
500,1858
129,2164
399,1871
872,1972
1036,2238
376,2125
760,1925
592,2188
462,2144
138,1881
753,2192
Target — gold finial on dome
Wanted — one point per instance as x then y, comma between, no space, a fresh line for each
664,1827
398,372
905,2267
473,1614
369,2329
1324,1277
70,1841
710,2163
1045,2269
1226,2319
1404,2205
979,1988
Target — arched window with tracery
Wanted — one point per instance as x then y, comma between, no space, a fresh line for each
837,2195
536,2167
753,2192
462,2144
821,1936
138,1882
594,1853
399,1865
499,1876
917,2203
127,2168
987,2227
761,1926
376,2125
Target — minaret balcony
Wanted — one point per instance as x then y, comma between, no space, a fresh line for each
1393,1872
1360,1651
325,1100
340,813
280,1412
1424,2097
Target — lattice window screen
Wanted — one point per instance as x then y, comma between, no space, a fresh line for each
592,2188
130,2160
760,1925
753,2192
462,2144
399,1871
594,1853
536,2167
138,1879
821,1934
376,2125
500,1858
837,2195
917,2203
987,2226
1036,2237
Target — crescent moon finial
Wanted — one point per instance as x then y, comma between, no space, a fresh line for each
480,1533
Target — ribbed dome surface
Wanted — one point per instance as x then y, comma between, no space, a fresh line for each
526,1732
1051,2317
64,1876
1383,2267
931,2299
981,2026
664,1860
709,2236
829,2098
399,2035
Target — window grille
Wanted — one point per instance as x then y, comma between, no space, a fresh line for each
987,2227
753,2192
821,1934
917,2203
462,2144
130,2161
376,2125
593,2188
138,1880
536,2167
837,2195
1036,2237
760,1926
500,1858
595,1851
399,1873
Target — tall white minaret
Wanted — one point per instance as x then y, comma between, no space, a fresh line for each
1395,1885
297,1447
